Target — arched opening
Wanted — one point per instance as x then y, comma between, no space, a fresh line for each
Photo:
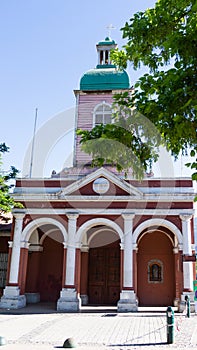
101,283
45,263
4,239
155,269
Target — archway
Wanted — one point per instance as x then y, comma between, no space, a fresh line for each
4,250
100,264
45,261
104,274
155,268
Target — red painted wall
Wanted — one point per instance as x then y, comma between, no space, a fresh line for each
51,265
155,245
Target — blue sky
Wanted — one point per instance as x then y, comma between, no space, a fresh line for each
46,46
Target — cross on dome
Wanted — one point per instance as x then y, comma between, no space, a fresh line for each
110,27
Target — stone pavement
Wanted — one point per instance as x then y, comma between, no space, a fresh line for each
40,327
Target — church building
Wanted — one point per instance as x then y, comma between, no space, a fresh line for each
91,236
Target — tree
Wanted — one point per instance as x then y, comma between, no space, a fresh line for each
164,40
6,201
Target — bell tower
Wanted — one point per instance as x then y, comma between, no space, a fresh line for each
95,97
103,48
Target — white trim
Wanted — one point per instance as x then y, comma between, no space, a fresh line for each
98,221
158,222
133,193
101,104
97,232
131,190
47,234
187,197
97,106
106,211
144,190
158,230
35,190
28,230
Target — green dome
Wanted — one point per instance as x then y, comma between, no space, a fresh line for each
107,41
106,78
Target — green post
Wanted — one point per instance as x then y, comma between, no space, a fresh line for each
170,325
188,308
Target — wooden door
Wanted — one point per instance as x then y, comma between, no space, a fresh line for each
104,275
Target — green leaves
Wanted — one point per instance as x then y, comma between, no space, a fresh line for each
129,143
164,39
6,201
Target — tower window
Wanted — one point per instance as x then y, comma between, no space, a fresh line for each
106,57
102,114
101,57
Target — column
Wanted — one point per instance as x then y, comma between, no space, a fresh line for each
188,263
23,266
128,252
15,257
32,274
69,297
177,275
135,251
70,266
127,300
84,275
186,231
11,296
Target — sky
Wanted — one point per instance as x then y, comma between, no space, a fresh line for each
46,46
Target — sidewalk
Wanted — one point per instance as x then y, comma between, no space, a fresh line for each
40,327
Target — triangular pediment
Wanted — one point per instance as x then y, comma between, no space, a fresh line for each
125,188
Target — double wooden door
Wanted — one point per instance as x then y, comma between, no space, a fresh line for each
104,275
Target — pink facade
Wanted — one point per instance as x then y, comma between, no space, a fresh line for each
86,103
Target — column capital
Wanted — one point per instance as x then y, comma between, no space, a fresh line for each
186,216
19,214
10,244
128,216
25,244
84,248
35,248
135,246
176,250
122,245
180,246
72,215
71,245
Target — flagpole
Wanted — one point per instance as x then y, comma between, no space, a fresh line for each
33,144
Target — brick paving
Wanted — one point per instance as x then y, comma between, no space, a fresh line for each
40,329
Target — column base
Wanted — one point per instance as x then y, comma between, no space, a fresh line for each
32,298
84,299
182,303
12,299
128,302
176,302
69,301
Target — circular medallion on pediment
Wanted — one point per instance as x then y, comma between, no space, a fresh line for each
101,185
